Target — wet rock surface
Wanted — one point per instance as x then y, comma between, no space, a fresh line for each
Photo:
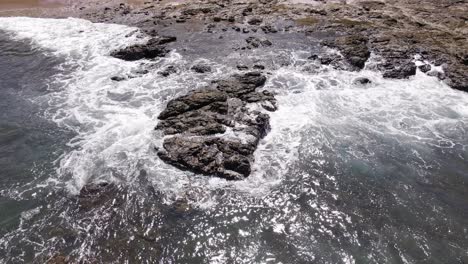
394,32
353,48
212,130
358,32
152,49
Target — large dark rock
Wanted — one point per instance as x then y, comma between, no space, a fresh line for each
457,76
400,71
192,101
353,48
200,119
152,49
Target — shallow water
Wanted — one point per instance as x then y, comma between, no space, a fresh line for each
348,173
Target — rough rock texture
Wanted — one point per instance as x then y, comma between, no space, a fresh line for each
152,49
393,31
353,48
214,131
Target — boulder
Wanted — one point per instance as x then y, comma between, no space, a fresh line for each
198,123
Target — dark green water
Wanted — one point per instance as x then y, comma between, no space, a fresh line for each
29,143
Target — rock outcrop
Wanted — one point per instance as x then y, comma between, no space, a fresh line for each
152,49
353,48
213,130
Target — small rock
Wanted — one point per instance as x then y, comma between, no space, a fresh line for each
168,71
118,78
255,21
255,42
201,68
269,29
313,57
362,81
242,67
425,68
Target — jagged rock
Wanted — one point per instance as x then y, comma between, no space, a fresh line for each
399,71
193,101
353,48
152,49
200,119
238,85
457,76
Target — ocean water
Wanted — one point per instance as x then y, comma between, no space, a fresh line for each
349,173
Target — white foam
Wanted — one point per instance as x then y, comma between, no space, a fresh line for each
115,136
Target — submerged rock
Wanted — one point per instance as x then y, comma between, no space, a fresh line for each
167,71
362,81
200,122
201,68
93,195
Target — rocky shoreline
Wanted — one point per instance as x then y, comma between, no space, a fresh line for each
215,130
393,33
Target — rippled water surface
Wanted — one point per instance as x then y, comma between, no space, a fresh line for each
348,173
